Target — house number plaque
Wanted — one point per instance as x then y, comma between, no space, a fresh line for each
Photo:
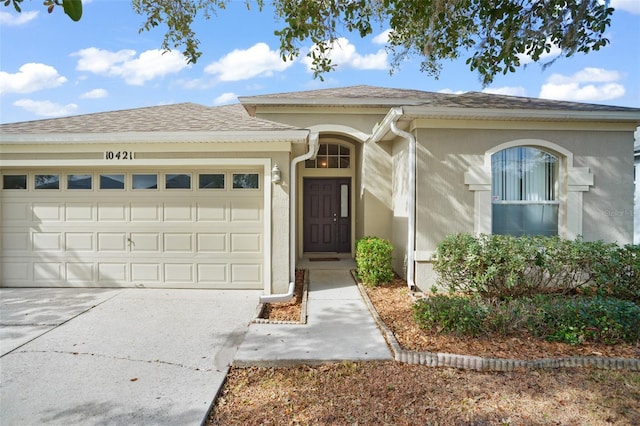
118,155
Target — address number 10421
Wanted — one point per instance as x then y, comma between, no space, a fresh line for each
118,155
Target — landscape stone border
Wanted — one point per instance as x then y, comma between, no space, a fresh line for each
470,362
303,307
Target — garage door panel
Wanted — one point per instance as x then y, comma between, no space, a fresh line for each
212,211
81,212
144,242
16,272
79,241
112,241
79,272
246,210
47,212
145,212
113,272
246,273
15,212
179,272
112,212
213,243
178,242
178,213
246,243
145,272
213,273
13,242
47,271
47,241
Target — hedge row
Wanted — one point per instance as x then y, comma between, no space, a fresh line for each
502,266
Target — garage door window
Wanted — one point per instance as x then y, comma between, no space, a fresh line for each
177,181
211,181
145,181
245,181
47,182
111,181
14,182
79,182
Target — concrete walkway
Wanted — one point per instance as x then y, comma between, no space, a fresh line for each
339,326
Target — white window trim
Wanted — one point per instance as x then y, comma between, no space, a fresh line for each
574,181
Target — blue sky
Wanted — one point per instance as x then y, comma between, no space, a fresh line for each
51,66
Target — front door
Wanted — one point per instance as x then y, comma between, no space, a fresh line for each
327,215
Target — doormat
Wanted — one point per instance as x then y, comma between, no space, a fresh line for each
324,259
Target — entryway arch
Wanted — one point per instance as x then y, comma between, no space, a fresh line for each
327,206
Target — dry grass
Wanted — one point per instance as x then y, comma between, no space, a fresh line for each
391,393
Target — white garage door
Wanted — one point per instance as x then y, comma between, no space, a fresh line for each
142,228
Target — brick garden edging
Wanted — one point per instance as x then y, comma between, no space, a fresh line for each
470,362
303,307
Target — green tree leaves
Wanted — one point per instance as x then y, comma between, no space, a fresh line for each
494,35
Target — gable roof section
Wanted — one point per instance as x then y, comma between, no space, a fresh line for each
364,95
183,117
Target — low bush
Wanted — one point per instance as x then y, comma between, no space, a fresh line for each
502,266
564,319
374,260
619,276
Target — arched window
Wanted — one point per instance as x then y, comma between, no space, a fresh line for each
524,192
330,156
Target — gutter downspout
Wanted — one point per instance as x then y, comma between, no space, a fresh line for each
411,243
285,297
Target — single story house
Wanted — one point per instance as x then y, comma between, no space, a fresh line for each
189,196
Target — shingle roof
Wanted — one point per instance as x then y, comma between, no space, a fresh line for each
166,118
190,117
381,96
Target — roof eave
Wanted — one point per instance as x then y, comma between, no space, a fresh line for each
521,114
293,136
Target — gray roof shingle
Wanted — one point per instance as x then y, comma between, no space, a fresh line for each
190,117
386,96
181,117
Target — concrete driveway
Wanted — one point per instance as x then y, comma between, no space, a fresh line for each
116,356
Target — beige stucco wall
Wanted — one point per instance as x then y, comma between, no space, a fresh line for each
361,119
445,204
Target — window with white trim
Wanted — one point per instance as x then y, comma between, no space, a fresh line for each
524,192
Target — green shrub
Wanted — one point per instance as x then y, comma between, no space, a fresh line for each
619,276
455,314
571,320
373,260
503,266
574,320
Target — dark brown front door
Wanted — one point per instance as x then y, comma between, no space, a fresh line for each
327,215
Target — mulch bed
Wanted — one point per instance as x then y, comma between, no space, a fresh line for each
394,303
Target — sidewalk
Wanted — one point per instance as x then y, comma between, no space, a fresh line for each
339,326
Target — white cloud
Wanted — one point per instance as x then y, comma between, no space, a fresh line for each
46,108
225,98
587,85
382,38
343,53
30,78
149,65
94,94
506,90
631,6
451,92
16,19
258,60
587,75
552,53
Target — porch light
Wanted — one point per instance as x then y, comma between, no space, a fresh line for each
276,175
